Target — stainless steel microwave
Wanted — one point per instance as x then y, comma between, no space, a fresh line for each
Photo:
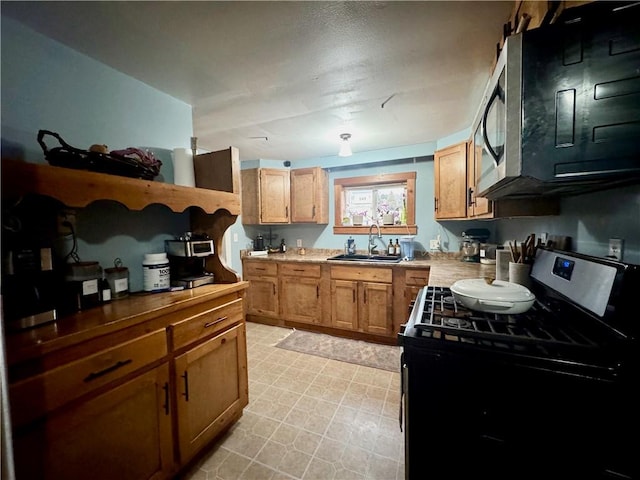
561,112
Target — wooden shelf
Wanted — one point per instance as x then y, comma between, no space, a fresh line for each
79,188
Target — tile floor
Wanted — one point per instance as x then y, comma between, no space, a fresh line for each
309,418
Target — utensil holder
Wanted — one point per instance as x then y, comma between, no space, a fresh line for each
519,273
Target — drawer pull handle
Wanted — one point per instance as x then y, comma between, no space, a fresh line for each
210,324
185,394
298,270
261,269
165,387
115,366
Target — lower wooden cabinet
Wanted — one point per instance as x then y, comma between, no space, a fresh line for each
211,389
138,403
262,295
362,299
300,292
355,300
124,433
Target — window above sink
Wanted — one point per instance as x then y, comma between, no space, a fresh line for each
386,199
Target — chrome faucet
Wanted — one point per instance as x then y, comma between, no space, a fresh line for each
372,244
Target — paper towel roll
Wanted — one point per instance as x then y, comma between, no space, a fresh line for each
183,167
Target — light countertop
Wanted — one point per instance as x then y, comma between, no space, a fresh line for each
444,268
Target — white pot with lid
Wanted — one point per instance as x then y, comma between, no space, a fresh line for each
497,297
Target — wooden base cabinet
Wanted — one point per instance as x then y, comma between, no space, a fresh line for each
362,299
300,292
124,433
262,295
211,389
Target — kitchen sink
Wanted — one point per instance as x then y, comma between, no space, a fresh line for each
367,258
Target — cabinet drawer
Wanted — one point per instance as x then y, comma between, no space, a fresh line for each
260,268
300,270
416,277
37,395
367,274
206,323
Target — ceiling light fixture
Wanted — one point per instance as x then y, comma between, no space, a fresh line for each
345,148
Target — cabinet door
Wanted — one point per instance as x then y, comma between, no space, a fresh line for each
211,389
124,434
309,196
450,172
344,304
274,195
376,306
300,299
262,296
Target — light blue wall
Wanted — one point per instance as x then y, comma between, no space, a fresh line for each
46,85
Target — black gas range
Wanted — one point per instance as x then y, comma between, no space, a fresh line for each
543,394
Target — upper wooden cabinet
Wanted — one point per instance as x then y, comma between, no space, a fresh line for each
455,176
309,195
276,196
265,196
450,173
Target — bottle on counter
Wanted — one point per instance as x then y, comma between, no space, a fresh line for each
283,246
391,250
105,291
397,252
350,247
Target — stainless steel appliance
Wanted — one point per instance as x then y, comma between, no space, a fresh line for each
187,261
549,393
29,287
561,112
470,244
488,253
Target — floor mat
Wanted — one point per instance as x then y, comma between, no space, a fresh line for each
385,357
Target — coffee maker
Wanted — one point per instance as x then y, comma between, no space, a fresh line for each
187,256
29,292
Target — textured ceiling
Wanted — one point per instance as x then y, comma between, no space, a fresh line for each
282,80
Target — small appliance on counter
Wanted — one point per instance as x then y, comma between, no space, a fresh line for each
488,253
29,287
470,246
187,257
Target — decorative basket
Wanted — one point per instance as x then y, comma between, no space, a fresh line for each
112,163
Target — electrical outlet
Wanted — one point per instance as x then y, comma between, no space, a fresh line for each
615,248
299,243
434,244
66,222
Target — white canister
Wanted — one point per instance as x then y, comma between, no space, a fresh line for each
155,272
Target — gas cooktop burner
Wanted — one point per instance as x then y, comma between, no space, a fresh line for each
456,322
444,319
